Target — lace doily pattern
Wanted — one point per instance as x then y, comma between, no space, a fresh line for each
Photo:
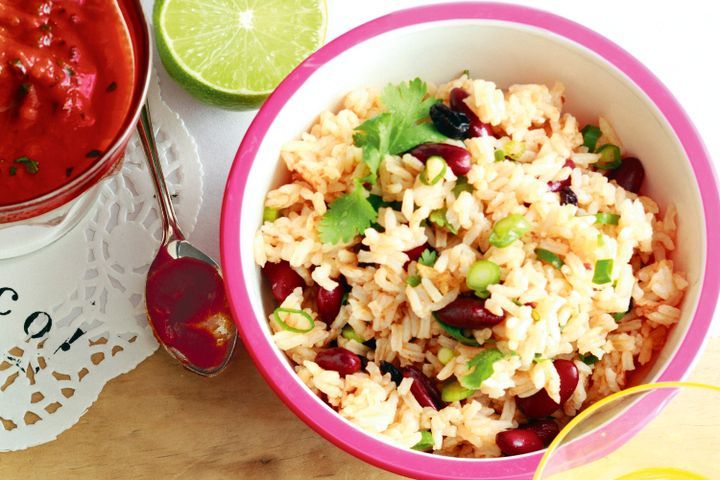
72,316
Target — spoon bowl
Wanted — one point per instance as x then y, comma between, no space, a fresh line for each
185,293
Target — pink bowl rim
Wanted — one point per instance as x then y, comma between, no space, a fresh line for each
287,386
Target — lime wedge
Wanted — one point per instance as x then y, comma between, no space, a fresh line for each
233,53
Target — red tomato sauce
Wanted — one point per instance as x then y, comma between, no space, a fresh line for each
189,311
66,82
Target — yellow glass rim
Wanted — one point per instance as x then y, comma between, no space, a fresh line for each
605,401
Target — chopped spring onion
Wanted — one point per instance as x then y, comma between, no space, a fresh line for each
413,280
457,334
509,229
462,185
270,214
607,218
590,134
589,359
483,368
445,355
549,257
426,441
350,333
435,168
618,315
499,155
603,271
609,157
285,326
453,392
481,275
514,149
539,358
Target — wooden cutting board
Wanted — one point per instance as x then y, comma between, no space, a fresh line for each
160,422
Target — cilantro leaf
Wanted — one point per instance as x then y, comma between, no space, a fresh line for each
31,166
428,257
589,359
398,129
347,216
484,367
439,218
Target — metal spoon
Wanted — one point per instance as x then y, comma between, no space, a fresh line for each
185,297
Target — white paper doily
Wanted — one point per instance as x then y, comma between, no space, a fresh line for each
72,316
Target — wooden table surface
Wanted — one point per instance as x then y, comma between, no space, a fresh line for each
160,422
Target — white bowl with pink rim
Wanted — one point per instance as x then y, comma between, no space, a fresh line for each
506,44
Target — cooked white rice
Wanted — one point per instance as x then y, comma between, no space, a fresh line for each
550,313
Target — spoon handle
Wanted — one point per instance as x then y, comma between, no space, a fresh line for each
167,212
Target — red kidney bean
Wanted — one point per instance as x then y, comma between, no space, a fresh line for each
457,158
340,360
568,197
395,374
450,123
414,253
518,441
629,175
562,184
468,312
330,301
558,185
283,279
569,378
477,127
540,404
546,429
422,388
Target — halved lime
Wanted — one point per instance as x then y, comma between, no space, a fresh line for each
233,53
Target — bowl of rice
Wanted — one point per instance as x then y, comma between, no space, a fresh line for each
451,229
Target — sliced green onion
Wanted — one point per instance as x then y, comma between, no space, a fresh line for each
514,149
499,155
426,441
590,134
549,257
509,229
462,185
413,280
609,157
445,355
270,214
350,333
435,168
618,315
601,240
481,275
589,359
607,218
453,392
603,271
535,315
483,368
457,334
285,326
539,358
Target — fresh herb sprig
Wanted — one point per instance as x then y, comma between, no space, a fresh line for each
399,129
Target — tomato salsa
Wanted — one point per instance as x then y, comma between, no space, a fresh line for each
66,83
189,311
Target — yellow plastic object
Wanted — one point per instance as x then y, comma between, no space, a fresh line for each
671,471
